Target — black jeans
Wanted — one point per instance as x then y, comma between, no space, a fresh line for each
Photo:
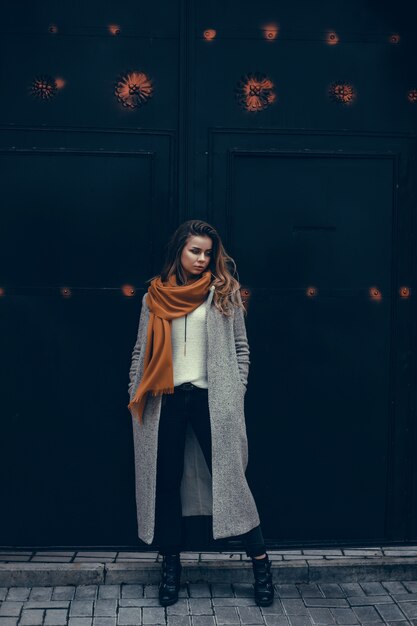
176,409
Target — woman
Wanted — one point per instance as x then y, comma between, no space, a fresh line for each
187,385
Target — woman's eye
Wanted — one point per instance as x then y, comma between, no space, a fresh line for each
198,252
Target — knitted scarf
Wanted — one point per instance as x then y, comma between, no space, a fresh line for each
166,301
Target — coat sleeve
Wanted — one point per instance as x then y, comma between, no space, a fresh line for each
138,345
241,342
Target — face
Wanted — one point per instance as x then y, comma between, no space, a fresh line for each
196,255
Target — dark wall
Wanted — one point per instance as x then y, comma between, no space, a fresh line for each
292,129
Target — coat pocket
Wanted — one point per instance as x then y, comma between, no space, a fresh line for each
242,386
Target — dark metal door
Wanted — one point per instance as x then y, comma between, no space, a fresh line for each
294,134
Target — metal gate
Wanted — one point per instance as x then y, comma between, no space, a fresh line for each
293,130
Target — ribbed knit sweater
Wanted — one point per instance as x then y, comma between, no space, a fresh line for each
189,336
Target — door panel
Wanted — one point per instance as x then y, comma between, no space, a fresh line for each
309,192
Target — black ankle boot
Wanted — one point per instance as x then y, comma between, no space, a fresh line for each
170,583
264,588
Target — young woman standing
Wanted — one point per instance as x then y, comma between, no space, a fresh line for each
188,380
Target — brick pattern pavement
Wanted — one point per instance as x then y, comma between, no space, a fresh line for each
302,556
379,603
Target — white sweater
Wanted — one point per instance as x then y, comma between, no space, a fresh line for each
191,367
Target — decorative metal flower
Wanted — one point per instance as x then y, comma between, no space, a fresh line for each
114,29
270,31
255,92
332,38
412,95
209,34
133,89
343,93
44,87
394,38
404,292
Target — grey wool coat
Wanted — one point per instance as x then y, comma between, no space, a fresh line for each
225,494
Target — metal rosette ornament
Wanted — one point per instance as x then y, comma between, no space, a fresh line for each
255,92
412,95
44,87
342,93
134,89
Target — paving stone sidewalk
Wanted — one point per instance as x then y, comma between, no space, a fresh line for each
379,603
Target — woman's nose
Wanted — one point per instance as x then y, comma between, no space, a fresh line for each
201,257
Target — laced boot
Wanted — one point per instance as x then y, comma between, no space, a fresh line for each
170,582
264,588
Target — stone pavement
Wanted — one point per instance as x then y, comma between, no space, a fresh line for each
372,603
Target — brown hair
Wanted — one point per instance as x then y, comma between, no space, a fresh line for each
221,264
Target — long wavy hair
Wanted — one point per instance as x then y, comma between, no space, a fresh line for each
221,265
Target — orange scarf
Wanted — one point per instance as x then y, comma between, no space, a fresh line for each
166,301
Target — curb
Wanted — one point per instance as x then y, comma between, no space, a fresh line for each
50,574
343,570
